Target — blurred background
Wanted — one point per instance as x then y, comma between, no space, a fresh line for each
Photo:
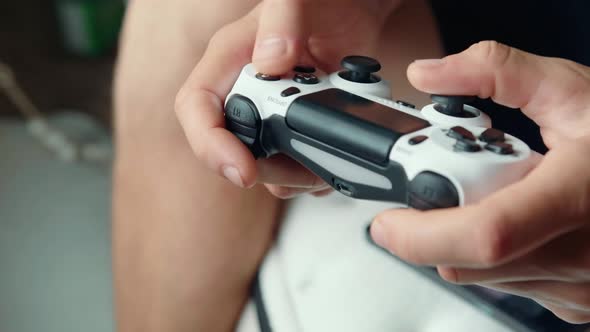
56,67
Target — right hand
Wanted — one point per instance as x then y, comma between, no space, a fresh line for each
275,36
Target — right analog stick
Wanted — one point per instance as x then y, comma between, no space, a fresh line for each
453,105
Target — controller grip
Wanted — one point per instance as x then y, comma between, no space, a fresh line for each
429,190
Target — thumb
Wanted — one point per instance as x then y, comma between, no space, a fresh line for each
550,201
541,87
281,36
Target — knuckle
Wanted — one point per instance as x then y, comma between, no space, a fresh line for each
572,317
289,3
280,191
568,315
404,247
200,151
576,209
451,275
225,35
322,193
493,241
581,298
492,52
219,37
584,263
180,100
316,181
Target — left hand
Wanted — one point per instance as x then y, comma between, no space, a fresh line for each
531,238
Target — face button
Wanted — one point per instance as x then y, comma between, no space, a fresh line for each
304,69
406,104
459,132
290,91
463,145
265,77
304,78
492,135
417,140
500,148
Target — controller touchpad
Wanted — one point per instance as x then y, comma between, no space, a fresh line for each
351,123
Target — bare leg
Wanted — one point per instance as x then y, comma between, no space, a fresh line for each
409,34
186,243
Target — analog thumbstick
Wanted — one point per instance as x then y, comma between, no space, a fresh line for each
360,69
452,105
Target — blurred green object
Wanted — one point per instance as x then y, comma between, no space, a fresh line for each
89,28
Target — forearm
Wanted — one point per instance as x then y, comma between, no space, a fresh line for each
186,243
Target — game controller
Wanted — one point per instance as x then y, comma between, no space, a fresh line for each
345,128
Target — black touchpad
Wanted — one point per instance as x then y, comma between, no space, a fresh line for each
351,123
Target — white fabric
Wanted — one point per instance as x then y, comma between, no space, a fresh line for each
336,281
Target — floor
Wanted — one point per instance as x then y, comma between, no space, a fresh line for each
54,235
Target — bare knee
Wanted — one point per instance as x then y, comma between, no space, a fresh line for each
161,43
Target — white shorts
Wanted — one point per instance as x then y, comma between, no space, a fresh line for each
324,275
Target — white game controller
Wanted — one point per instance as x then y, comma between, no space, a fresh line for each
345,128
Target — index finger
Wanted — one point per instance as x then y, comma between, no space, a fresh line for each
199,104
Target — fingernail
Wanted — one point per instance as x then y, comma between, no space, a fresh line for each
233,175
270,48
429,63
378,233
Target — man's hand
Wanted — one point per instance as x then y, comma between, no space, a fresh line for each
275,36
532,238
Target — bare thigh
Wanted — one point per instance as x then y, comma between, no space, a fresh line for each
162,41
410,34
186,243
